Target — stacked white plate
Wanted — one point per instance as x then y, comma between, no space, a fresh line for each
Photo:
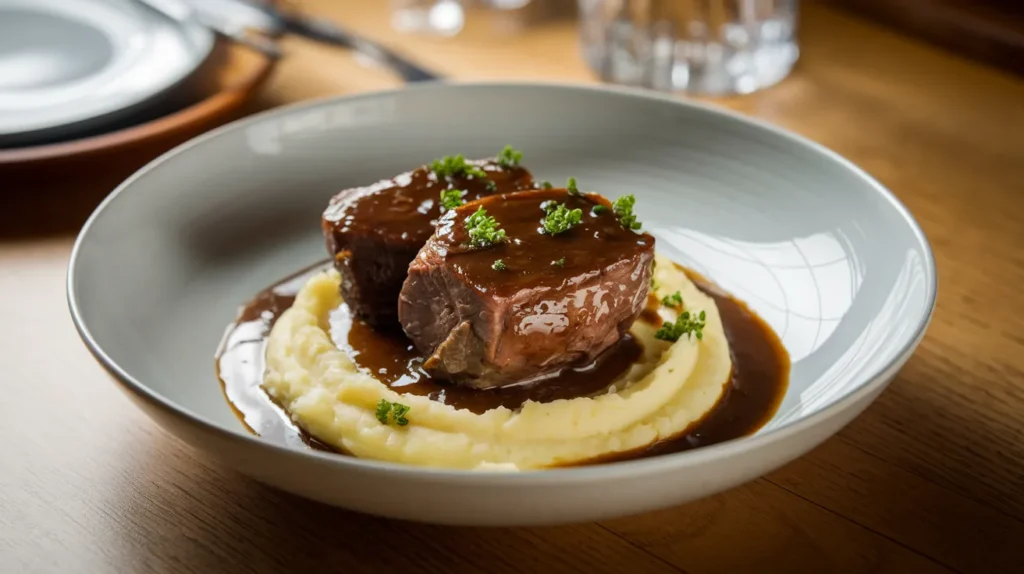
72,66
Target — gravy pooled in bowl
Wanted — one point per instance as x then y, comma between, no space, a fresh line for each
756,387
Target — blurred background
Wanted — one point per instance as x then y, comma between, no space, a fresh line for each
90,90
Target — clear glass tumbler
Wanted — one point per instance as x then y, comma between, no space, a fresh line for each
446,17
714,47
437,17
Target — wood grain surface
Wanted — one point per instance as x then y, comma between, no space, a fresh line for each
929,479
990,31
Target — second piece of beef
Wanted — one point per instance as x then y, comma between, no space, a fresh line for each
532,304
374,232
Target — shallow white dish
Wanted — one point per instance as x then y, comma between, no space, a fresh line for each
819,249
71,65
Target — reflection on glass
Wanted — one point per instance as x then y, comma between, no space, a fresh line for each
701,46
441,17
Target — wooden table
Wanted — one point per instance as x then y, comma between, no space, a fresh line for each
929,479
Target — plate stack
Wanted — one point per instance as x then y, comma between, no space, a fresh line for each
80,77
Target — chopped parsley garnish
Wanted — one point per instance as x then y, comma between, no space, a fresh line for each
571,186
623,209
559,263
383,408
483,229
599,209
560,219
499,265
509,157
673,300
398,410
451,198
545,185
455,165
685,324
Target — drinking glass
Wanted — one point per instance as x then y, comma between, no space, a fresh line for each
447,17
715,47
440,17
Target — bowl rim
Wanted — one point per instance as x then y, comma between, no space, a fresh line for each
875,382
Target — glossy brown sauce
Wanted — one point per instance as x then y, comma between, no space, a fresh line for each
403,209
757,383
756,387
532,257
374,232
393,360
240,363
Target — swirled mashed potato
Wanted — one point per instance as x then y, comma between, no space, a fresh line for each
672,386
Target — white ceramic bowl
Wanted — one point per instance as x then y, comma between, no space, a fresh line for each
819,249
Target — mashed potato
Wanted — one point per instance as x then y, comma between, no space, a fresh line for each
331,398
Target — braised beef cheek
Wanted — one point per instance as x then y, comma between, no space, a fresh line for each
374,232
553,301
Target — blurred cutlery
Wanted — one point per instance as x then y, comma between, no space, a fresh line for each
220,22
274,21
